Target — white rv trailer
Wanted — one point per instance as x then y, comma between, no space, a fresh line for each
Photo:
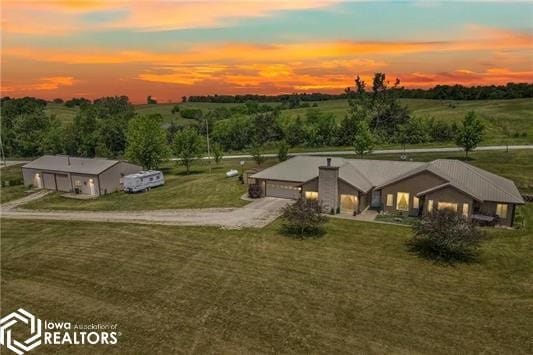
143,180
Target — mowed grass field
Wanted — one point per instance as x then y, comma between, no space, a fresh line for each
8,193
202,189
206,290
516,115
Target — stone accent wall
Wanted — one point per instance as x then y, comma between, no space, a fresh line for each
328,190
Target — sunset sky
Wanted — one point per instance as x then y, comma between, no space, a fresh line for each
168,49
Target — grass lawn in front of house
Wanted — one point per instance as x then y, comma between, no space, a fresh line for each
205,290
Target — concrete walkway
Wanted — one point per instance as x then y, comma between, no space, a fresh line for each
255,215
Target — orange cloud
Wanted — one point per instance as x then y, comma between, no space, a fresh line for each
42,84
274,53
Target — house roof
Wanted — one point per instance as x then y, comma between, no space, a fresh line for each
479,183
64,163
360,173
367,174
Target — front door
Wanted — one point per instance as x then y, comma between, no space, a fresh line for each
376,199
349,203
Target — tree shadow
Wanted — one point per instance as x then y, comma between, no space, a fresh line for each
425,250
315,233
192,172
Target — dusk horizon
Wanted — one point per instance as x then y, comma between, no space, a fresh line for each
165,49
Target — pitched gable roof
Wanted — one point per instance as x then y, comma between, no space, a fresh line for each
366,174
477,182
63,163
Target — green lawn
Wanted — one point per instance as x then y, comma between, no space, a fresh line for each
516,114
8,193
200,189
206,290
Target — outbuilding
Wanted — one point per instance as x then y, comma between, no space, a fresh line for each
90,176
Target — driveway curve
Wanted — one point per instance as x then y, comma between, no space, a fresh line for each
256,214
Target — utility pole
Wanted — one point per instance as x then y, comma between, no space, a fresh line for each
208,151
2,155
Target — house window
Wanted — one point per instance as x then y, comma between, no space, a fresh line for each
416,202
430,206
501,210
402,201
465,210
311,195
390,197
447,205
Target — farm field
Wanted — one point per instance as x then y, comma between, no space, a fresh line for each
204,290
516,115
201,189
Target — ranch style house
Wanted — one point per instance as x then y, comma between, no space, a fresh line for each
410,188
90,176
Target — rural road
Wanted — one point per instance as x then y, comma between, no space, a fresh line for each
389,151
256,214
348,152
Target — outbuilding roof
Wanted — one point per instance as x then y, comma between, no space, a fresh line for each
67,164
367,174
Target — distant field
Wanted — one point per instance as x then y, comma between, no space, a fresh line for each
516,114
199,290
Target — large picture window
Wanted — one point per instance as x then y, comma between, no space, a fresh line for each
311,195
402,201
447,206
501,210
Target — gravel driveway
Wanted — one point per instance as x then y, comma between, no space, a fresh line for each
256,214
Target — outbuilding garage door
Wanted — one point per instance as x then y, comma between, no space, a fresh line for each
49,181
282,190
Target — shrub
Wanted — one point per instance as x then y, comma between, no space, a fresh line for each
255,191
303,219
191,113
447,236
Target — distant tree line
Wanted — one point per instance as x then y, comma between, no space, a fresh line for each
439,92
110,127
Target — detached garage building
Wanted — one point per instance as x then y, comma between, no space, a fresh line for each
90,176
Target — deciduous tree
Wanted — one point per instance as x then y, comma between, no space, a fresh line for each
147,141
187,146
470,133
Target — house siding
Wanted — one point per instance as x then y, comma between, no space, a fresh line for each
110,180
452,195
412,185
85,183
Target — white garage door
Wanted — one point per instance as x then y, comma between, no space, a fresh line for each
282,190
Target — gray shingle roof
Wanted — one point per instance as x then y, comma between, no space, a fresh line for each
63,163
367,174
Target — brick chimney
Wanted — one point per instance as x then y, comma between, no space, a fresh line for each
328,186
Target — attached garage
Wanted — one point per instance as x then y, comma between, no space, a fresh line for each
283,189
